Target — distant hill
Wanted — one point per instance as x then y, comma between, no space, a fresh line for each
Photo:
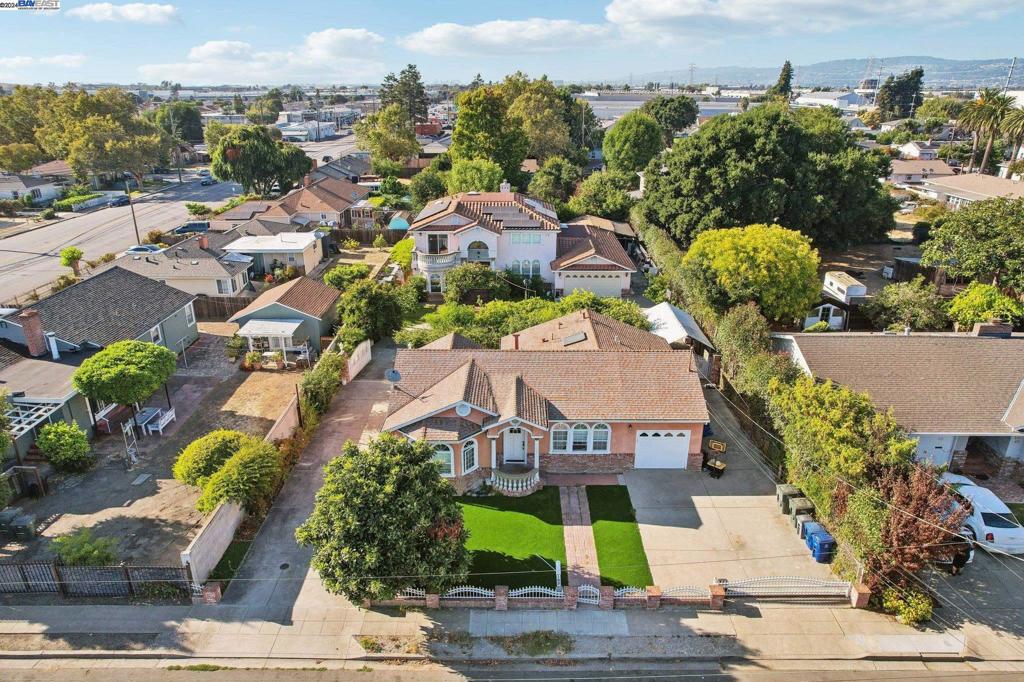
938,73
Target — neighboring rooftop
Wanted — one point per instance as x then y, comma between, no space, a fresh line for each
620,229
113,305
934,383
53,168
279,243
583,330
187,259
976,187
21,183
934,168
245,211
675,325
304,294
494,211
579,243
328,195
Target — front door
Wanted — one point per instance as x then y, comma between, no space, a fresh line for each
515,446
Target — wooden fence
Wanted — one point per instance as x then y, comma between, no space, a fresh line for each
218,308
91,581
366,235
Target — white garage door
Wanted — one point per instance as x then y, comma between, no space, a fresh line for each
662,449
602,284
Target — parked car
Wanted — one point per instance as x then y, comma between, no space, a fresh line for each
207,182
204,173
142,250
122,200
327,158
990,524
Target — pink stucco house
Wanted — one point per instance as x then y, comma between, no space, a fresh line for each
511,416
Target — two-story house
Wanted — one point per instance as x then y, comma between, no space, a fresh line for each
508,230
328,201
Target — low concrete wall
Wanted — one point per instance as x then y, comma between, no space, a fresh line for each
359,359
207,548
286,424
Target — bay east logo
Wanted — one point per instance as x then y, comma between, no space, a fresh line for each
30,5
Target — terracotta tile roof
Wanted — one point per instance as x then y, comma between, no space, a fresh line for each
306,295
453,341
441,429
600,332
619,228
577,243
515,398
494,211
53,168
327,195
934,383
627,385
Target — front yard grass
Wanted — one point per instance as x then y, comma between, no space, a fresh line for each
620,551
506,535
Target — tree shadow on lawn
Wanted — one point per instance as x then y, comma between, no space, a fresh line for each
489,568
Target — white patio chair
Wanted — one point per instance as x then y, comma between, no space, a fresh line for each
158,424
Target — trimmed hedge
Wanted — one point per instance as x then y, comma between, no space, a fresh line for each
246,478
203,456
66,204
65,445
321,383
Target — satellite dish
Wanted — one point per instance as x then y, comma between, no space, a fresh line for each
393,375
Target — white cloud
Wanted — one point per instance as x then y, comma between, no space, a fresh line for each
22,66
133,12
333,53
503,37
667,19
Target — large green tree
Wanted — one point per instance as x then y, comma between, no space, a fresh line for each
604,194
180,120
22,112
125,372
915,305
388,134
385,520
19,156
249,156
426,186
899,96
982,241
983,302
944,107
104,146
556,180
372,308
633,141
672,114
407,91
485,130
784,85
762,167
541,113
473,175
767,264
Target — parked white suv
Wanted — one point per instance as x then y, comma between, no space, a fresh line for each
991,524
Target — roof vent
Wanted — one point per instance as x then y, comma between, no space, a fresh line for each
573,339
195,262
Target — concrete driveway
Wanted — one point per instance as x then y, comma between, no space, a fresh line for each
696,528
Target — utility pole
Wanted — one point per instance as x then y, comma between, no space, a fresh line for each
1009,75
131,205
175,140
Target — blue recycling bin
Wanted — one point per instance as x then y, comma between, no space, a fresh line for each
823,547
809,529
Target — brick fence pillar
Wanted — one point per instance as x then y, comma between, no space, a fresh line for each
433,601
501,597
860,595
607,600
653,597
571,594
717,596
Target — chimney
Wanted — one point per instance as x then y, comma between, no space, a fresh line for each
504,186
32,327
515,341
307,180
996,329
314,164
51,339
203,241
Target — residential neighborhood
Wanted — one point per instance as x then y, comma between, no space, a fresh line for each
472,343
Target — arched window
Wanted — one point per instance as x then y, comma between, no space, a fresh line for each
468,456
526,268
559,438
536,267
600,438
580,436
515,267
445,459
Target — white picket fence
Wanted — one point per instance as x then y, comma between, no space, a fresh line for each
589,594
535,592
468,592
786,587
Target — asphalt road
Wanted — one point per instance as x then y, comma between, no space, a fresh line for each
334,148
32,259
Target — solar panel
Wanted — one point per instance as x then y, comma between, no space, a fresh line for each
574,338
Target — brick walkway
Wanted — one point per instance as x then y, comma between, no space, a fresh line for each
580,550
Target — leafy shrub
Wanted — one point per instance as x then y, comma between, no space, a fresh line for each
48,213
352,337
983,302
9,208
153,237
197,209
105,258
247,477
350,244
372,307
909,606
342,276
253,358
474,279
235,347
401,253
65,445
410,294
63,282
66,204
379,242
321,383
80,548
70,255
203,456
817,327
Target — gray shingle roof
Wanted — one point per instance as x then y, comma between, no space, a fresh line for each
113,305
186,259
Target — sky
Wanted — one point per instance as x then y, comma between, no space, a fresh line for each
320,42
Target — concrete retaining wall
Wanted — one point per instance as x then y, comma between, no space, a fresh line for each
359,359
286,424
207,548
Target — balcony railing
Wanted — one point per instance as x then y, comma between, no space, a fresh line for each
432,261
515,485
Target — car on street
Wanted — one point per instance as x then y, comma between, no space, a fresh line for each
204,173
990,524
142,250
326,158
207,182
120,201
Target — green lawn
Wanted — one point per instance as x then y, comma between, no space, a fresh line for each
507,533
620,552
417,317
225,569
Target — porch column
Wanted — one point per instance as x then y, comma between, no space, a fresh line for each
536,453
494,451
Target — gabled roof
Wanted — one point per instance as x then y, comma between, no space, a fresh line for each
975,186
580,242
441,429
21,182
453,341
53,169
187,259
675,325
934,167
245,211
494,211
309,296
113,305
263,226
934,383
584,330
617,227
323,196
282,242
610,385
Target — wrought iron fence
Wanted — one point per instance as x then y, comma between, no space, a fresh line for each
468,592
786,587
687,592
589,594
534,592
93,581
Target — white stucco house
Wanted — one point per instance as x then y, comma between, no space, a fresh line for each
511,231
17,187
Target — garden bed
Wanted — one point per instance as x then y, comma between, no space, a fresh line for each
514,541
620,550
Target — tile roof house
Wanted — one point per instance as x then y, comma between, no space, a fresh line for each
510,416
348,167
328,200
912,172
950,391
510,230
197,265
289,316
583,330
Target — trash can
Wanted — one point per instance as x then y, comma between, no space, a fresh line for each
783,493
823,547
7,516
801,524
24,527
798,506
810,530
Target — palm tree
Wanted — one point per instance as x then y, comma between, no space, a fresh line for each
993,108
1013,128
970,120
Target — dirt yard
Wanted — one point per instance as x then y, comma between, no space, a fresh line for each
151,514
